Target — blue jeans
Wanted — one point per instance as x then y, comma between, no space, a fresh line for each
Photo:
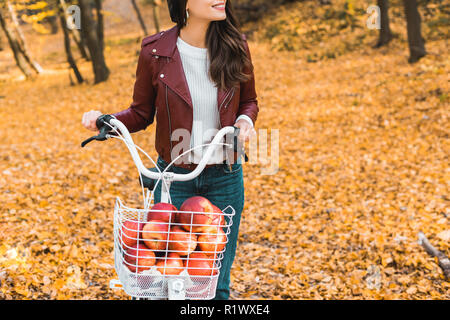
223,188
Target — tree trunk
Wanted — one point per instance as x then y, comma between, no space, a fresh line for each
14,44
415,40
53,21
82,44
156,16
1,42
141,20
76,35
100,24
91,36
70,59
22,43
385,30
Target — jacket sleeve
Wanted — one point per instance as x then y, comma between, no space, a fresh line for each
141,112
248,103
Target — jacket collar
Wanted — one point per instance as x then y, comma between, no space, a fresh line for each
172,73
167,43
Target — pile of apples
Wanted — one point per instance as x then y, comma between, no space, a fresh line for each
176,240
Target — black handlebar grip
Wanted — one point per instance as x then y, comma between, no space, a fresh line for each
104,118
103,129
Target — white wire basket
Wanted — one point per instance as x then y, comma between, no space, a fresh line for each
150,252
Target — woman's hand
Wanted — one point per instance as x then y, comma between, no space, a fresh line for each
89,119
246,132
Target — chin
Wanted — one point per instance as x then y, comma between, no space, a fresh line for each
220,19
216,16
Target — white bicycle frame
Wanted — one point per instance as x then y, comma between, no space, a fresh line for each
176,289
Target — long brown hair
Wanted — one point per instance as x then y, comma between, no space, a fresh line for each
229,63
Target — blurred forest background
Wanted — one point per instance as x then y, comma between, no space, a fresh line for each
363,116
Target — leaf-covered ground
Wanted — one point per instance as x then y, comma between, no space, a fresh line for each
364,154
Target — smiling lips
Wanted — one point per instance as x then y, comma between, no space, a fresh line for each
219,6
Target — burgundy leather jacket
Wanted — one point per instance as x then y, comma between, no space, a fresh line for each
161,88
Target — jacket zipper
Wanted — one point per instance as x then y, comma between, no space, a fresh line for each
170,125
226,105
228,102
220,122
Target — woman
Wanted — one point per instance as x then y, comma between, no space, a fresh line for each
196,77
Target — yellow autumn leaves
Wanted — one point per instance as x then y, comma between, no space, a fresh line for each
364,155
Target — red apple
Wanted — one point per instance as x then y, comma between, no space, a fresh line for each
162,211
130,232
155,234
217,222
196,204
140,257
181,241
199,264
212,243
213,257
171,264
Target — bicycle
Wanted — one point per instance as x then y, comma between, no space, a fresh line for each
137,271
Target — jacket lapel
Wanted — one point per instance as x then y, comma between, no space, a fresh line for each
175,78
172,73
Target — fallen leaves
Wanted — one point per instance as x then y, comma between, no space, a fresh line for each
363,167
444,235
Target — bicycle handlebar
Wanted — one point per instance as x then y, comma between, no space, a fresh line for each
103,121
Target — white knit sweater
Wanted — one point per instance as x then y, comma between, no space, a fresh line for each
203,92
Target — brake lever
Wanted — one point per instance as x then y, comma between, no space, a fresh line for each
85,142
